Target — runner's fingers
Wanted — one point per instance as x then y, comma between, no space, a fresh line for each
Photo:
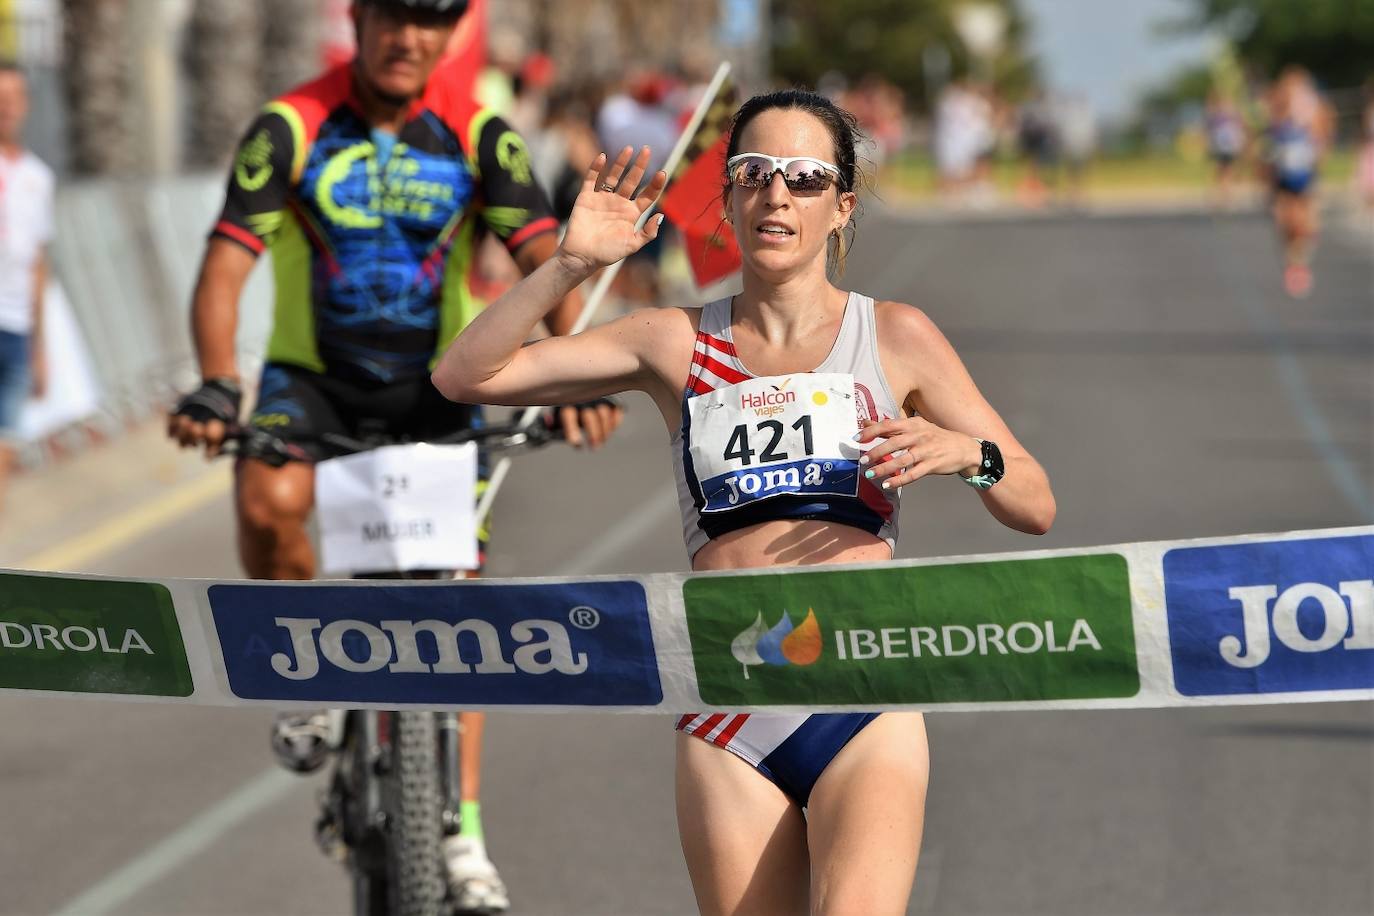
910,475
635,175
593,175
653,189
894,463
612,174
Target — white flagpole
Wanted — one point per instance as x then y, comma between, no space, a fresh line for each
603,283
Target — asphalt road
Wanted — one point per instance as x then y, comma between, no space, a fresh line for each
1155,368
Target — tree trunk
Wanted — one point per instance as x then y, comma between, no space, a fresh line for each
96,83
224,57
291,43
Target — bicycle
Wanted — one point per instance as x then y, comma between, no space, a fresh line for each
394,794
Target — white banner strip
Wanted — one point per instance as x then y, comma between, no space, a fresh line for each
1222,621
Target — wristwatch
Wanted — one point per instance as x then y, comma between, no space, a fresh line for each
990,467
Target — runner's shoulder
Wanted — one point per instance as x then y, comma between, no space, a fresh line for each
902,325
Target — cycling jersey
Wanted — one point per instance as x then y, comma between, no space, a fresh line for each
372,234
752,450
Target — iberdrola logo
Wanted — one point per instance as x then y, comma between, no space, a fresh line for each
781,645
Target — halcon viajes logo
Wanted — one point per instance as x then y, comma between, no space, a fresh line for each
456,643
1272,616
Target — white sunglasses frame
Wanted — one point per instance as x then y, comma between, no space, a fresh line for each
780,164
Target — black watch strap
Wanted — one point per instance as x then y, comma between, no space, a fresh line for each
990,467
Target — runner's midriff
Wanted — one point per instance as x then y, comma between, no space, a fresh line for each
790,542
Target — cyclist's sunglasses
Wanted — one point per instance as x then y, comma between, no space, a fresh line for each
799,173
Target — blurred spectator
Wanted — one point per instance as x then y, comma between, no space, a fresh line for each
880,108
964,133
1226,142
26,192
638,113
1077,140
1364,172
1037,136
635,114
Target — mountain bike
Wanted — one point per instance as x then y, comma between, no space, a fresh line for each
395,789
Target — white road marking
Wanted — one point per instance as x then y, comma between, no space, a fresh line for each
629,532
199,834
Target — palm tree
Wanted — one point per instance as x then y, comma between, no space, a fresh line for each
96,82
290,43
224,53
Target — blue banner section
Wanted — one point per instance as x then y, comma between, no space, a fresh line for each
1273,617
809,477
443,644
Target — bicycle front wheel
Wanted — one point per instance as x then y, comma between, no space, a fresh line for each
413,801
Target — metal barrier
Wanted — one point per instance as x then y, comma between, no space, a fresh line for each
128,253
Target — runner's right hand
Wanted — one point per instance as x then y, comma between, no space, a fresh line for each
601,229
205,415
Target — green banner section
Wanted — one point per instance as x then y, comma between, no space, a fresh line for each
90,636
1045,629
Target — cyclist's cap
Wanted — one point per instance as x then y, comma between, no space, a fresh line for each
453,8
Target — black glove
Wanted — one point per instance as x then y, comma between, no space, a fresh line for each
215,399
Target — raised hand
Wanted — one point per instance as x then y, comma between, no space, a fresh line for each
603,226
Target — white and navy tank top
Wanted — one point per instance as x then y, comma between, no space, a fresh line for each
753,449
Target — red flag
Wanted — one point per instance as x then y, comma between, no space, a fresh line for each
696,206
467,49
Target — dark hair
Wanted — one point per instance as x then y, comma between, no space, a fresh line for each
844,129
845,135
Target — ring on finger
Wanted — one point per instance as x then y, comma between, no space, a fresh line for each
605,186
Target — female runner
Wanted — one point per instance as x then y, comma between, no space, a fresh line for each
905,398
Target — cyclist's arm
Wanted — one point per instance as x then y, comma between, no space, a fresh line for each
254,202
215,306
518,212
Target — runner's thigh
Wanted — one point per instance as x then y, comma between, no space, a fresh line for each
743,839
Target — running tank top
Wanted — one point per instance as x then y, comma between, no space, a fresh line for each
754,449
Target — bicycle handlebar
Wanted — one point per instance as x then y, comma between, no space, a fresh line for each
276,451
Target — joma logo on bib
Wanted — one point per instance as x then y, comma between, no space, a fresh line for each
358,647
752,483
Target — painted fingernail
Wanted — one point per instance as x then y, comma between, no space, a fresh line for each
863,459
885,486
858,437
869,475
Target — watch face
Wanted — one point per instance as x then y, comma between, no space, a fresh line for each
992,461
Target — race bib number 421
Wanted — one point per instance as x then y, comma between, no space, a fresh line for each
778,434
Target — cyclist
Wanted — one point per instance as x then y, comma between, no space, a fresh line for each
368,185
902,396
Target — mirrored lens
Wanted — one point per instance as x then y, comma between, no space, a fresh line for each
752,172
807,175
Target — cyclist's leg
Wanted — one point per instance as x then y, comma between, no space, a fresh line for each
744,840
865,817
274,503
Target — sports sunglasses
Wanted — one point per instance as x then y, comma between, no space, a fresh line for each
799,173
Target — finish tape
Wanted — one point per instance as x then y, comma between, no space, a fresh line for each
1251,619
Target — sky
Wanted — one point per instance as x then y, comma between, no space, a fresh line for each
1108,49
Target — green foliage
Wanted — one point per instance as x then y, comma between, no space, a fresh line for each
889,38
1332,38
